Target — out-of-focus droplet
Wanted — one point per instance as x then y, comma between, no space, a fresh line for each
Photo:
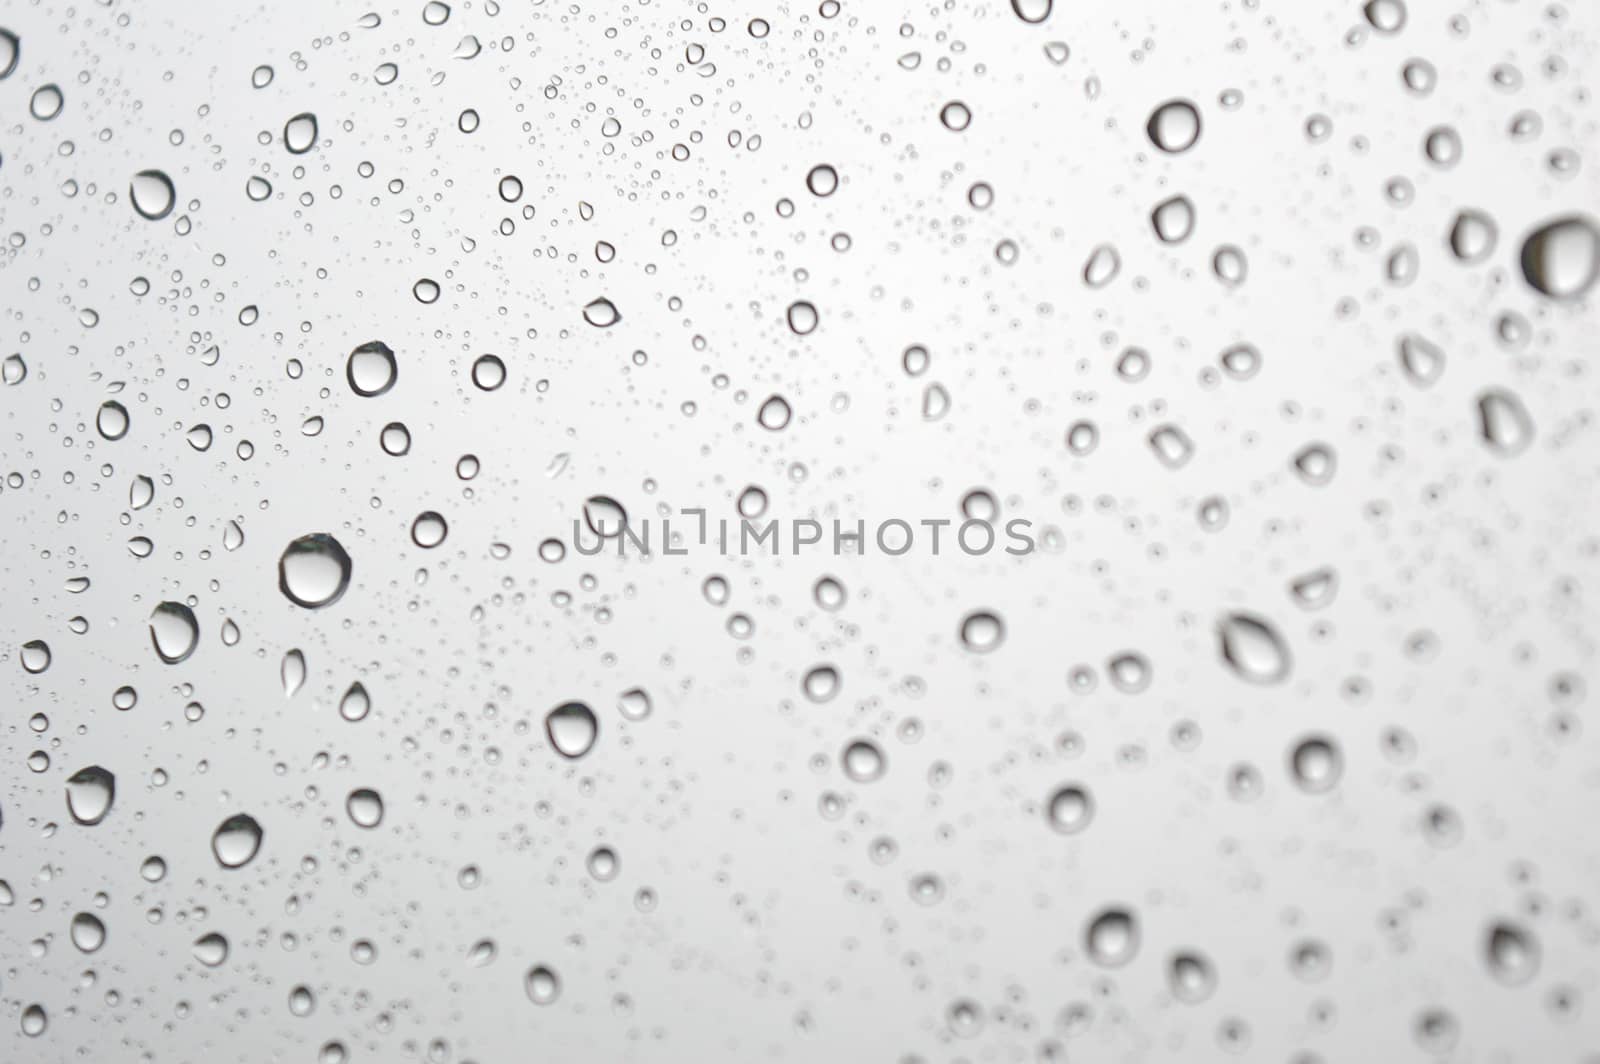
1111,938
1504,424
1253,648
1316,764
542,984
1069,809
982,631
1561,258
1512,952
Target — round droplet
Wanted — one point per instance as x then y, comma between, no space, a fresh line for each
1473,235
356,703
364,807
371,369
572,729
429,530
46,102
634,704
1385,16
542,984
112,420
802,317
863,761
1191,977
982,631
1562,257
774,413
174,632
1111,938
236,841
1252,648
488,372
300,133
1512,953
1315,764
820,683
314,571
426,290
152,194
604,516
1070,809
10,53
90,794
435,13
1174,126
823,180
603,864
395,439
955,116
34,1021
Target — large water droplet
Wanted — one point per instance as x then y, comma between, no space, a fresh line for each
174,632
356,703
314,571
572,729
112,420
371,369
152,194
542,984
87,932
236,841
601,313
1112,938
1070,809
90,794
1174,126
300,133
982,631
1253,648
863,761
210,949
1562,257
1315,764
365,807
1503,422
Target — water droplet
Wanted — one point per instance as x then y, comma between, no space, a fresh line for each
1034,11
982,631
34,1021
1562,257
292,671
1191,977
955,116
601,313
1253,649
210,949
300,133
426,291
1070,809
820,683
823,180
1512,952
10,53
90,794
1422,361
365,807
1171,445
356,703
863,761
572,729
435,13
774,413
634,704
87,932
112,420
1173,219
1102,266
1473,235
314,571
371,369
34,656
152,194
1385,16
236,841
603,864
1315,764
174,632
429,530
488,372
542,984
1504,423
46,102
1174,126
802,317
1111,938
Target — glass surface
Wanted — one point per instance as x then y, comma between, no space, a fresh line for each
662,531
